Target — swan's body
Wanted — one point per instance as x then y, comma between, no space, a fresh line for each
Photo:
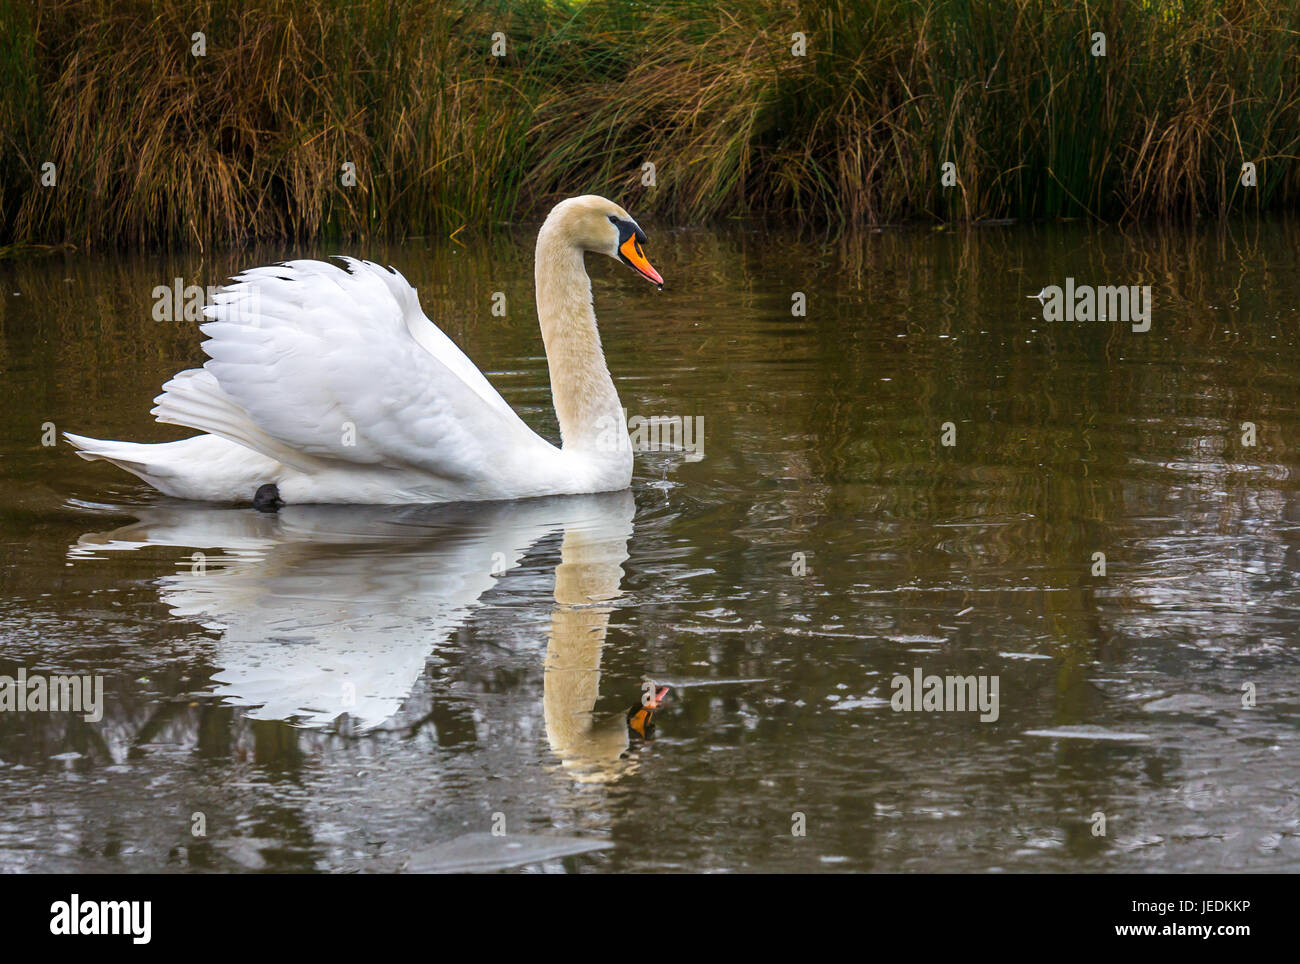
332,386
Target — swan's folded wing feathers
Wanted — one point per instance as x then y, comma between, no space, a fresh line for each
195,399
324,364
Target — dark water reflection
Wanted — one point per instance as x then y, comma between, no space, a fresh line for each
486,655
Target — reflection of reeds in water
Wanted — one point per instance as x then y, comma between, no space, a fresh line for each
1072,438
154,144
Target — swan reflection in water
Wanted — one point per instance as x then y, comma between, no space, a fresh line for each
329,610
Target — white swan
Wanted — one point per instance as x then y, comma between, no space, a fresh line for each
331,386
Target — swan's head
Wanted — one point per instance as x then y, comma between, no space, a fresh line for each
593,223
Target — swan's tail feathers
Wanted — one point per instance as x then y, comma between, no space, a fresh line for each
141,459
132,456
194,398
205,467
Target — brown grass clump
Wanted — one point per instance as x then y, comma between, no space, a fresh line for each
152,144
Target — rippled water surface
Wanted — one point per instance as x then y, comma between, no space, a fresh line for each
358,689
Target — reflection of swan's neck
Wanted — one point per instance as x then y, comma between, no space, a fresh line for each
572,684
589,570
585,399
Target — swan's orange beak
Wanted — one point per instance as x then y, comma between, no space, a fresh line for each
641,719
633,255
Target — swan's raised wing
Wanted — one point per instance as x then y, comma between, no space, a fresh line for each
311,364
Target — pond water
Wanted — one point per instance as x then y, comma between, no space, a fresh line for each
372,689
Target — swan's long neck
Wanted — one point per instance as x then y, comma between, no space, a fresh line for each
585,398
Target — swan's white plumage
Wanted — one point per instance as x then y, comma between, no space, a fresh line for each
333,385
311,364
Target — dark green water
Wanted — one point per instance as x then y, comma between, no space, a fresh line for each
486,655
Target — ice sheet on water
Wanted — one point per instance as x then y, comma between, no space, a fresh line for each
684,682
1089,732
484,851
1183,703
860,703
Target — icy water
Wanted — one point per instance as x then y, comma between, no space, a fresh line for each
376,689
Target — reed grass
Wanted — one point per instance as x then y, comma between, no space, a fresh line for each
153,145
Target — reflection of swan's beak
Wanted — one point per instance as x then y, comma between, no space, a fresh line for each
641,718
630,251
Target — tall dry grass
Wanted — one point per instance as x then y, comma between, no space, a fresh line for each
154,145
